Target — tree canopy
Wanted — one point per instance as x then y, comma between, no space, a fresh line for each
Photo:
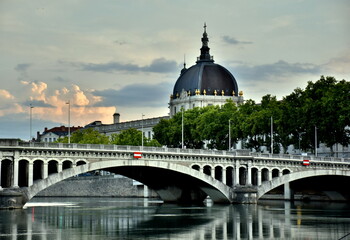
323,106
126,137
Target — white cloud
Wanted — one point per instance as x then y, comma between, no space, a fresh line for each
5,94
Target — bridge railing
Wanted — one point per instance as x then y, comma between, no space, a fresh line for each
300,157
242,152
125,148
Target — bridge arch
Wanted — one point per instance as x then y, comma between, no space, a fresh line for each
6,172
275,172
275,182
218,191
38,169
67,163
52,166
23,171
196,167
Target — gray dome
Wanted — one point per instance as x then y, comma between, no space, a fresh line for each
208,76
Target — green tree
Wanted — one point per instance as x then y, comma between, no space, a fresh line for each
168,133
86,136
213,125
326,103
129,136
132,137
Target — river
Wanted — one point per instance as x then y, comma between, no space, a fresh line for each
132,218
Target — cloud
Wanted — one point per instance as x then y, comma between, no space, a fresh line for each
233,41
37,103
120,42
278,69
22,70
5,94
79,97
340,65
160,65
136,95
22,67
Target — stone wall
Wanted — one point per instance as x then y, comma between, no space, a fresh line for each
96,186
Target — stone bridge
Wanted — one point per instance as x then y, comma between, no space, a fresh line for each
177,175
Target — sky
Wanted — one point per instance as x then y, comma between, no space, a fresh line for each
125,56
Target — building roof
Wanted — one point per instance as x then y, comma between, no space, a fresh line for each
205,76
61,131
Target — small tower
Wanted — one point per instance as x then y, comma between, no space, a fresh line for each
116,118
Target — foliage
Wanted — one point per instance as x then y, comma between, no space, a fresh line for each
86,136
126,137
132,137
323,104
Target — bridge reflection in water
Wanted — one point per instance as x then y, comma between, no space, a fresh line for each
143,219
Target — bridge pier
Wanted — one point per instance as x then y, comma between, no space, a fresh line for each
0,176
288,193
245,194
12,199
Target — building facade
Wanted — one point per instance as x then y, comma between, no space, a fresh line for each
53,134
144,125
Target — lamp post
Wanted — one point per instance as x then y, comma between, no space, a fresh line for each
315,141
68,120
271,135
229,134
30,122
142,131
182,128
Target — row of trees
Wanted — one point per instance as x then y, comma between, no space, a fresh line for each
130,136
323,105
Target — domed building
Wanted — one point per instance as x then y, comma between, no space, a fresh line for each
203,84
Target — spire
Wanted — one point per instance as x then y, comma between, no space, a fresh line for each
205,55
184,69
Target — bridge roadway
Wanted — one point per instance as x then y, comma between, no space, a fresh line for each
177,175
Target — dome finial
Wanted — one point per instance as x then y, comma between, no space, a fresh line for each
184,61
184,69
205,55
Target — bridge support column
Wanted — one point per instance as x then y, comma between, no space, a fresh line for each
259,177
12,198
236,179
59,167
45,170
245,194
30,174
0,177
145,191
288,193
224,175
249,174
15,173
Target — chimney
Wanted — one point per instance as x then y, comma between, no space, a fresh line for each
116,118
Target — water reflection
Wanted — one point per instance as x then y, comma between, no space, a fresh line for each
102,218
